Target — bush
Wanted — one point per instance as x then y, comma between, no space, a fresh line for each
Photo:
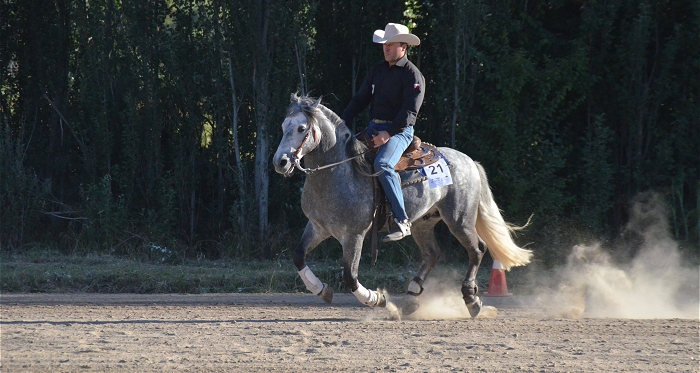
22,196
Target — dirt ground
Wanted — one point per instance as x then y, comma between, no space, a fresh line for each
299,333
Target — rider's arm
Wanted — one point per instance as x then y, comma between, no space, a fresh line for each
413,93
361,100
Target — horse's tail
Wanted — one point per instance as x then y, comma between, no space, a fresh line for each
495,232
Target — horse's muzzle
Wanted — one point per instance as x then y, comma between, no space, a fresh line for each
283,165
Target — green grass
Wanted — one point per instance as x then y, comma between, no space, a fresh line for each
43,271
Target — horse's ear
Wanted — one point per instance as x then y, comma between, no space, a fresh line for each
315,104
293,97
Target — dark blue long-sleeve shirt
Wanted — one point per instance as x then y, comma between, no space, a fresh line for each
393,93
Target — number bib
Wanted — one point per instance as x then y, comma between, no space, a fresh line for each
438,174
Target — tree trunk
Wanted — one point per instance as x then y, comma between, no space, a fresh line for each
220,145
240,177
262,147
300,53
455,107
261,83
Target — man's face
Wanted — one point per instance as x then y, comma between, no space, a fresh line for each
393,52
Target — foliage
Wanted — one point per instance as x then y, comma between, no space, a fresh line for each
134,127
22,196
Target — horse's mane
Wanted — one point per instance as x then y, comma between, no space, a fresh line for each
361,164
312,108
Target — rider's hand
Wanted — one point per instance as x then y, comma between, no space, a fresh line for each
380,138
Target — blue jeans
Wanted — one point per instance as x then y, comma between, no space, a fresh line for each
387,157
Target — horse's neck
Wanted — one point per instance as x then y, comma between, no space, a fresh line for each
318,157
344,172
331,189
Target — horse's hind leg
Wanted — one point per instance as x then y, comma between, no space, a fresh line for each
424,235
309,240
469,286
465,232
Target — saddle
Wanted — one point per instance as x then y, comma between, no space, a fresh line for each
417,155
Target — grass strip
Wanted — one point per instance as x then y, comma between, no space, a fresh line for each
50,272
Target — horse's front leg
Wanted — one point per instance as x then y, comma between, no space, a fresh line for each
309,240
352,251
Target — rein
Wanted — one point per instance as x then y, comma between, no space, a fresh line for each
297,163
296,158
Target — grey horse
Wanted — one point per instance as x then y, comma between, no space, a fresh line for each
338,201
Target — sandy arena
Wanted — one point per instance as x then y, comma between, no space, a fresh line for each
299,333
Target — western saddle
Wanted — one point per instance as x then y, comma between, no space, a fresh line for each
417,155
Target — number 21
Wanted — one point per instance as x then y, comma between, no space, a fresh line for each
433,171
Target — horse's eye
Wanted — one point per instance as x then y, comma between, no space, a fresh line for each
301,128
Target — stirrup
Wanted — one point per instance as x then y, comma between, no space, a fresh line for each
403,229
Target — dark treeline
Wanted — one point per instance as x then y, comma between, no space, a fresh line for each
136,127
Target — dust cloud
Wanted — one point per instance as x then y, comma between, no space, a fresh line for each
658,282
646,277
441,298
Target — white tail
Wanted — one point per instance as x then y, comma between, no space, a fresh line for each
495,232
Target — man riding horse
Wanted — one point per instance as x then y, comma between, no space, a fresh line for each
337,197
394,90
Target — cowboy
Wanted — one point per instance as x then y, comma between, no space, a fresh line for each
394,90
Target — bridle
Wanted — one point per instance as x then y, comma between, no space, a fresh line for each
296,156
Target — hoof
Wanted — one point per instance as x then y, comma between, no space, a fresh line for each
475,307
410,306
326,294
381,300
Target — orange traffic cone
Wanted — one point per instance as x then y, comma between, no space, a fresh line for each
497,284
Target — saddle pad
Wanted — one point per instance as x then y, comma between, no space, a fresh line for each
410,177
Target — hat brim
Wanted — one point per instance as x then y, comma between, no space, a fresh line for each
409,39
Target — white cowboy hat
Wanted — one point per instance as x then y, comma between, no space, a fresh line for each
395,33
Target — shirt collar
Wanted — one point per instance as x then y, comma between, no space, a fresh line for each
403,61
